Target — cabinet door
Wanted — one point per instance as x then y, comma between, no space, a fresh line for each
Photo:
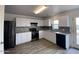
23,37
22,22
26,37
40,22
18,38
53,37
50,36
46,22
64,21
41,34
1,48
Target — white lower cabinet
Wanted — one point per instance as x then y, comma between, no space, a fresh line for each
50,36
26,36
1,48
41,34
23,37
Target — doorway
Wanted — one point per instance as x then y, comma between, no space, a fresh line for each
76,32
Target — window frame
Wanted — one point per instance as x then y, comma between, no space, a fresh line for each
55,24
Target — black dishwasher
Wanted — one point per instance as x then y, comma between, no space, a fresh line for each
61,40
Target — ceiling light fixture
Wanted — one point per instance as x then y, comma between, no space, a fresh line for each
39,9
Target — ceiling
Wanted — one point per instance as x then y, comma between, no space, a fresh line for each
28,9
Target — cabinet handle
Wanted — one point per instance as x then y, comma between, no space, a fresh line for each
1,42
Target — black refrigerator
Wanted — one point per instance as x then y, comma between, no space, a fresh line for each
9,34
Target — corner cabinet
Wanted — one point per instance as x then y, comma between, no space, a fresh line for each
41,34
62,40
50,36
23,37
64,21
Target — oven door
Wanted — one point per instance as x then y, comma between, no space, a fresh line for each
35,35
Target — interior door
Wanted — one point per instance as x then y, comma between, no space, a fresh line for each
76,32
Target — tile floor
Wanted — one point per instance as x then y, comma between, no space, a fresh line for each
41,46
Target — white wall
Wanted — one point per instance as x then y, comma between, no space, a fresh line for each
73,13
1,22
12,17
1,26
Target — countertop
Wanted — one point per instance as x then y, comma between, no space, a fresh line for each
26,30
62,33
59,32
45,30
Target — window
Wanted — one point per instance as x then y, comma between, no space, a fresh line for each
55,24
77,25
77,29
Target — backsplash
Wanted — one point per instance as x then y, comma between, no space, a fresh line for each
22,29
64,29
26,29
45,28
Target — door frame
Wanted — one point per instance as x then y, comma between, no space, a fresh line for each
75,45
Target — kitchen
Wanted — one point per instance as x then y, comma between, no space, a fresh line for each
55,29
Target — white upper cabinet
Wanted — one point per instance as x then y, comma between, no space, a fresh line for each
64,21
47,22
33,21
22,22
40,22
